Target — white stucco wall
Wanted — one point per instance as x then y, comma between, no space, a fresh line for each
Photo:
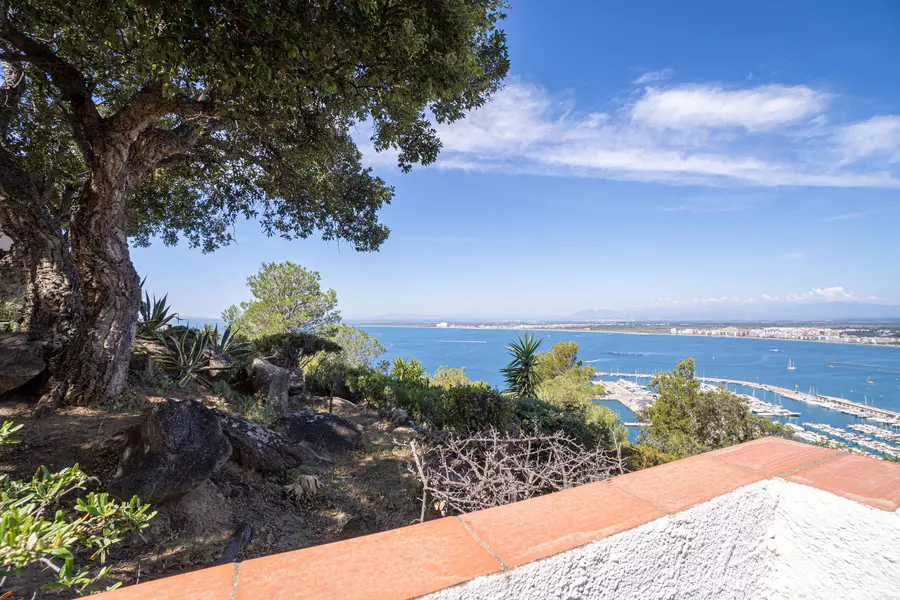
771,539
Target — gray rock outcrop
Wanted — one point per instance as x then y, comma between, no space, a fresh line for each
322,430
260,449
21,360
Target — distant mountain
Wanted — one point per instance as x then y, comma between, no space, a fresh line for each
761,311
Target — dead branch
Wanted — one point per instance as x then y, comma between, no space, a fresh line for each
464,474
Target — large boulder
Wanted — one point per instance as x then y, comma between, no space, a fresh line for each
21,360
278,384
322,430
260,449
177,447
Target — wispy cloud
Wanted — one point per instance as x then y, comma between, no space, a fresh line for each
845,216
815,295
697,134
654,76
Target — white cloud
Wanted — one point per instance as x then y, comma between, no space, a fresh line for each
759,108
829,294
653,76
684,135
876,136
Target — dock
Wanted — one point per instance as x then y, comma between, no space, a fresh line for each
784,392
635,401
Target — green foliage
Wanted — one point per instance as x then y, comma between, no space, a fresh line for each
39,523
188,359
687,420
229,341
287,349
447,377
6,431
154,315
474,407
358,348
408,371
370,386
537,416
255,408
572,389
266,95
556,361
521,374
11,314
287,299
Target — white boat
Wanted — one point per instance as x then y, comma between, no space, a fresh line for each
791,365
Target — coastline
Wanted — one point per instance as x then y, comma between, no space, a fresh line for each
569,330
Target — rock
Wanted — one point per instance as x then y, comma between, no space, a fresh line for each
177,447
21,360
203,513
221,364
142,364
322,430
399,416
260,449
277,383
357,525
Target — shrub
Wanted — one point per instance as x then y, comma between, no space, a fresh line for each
370,386
408,371
572,390
474,407
286,349
447,377
40,523
539,417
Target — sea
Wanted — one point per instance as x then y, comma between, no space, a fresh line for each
482,353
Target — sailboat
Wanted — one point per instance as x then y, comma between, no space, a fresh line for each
791,365
869,381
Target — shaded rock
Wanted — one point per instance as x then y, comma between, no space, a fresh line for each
142,364
277,383
21,360
177,447
361,524
322,430
399,416
221,364
260,449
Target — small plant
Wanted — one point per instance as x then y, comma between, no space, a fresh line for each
188,360
256,409
229,341
408,371
521,374
154,315
11,314
39,525
304,488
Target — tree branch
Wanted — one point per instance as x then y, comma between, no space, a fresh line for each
154,145
64,76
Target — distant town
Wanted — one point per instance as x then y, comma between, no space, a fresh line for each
882,334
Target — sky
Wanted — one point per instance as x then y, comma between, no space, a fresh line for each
641,154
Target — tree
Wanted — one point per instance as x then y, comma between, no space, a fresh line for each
686,420
520,374
169,119
571,390
559,359
358,348
287,299
448,377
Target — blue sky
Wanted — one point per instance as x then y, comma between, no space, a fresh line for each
641,154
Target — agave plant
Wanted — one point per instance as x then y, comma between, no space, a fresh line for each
153,315
408,370
229,341
520,374
188,359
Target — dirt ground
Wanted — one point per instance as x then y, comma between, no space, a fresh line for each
366,491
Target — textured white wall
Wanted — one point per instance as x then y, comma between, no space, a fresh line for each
771,539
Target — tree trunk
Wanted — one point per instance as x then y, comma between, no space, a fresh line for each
96,364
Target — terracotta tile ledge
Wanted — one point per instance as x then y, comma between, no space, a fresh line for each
420,559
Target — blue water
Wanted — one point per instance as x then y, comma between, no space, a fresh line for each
482,353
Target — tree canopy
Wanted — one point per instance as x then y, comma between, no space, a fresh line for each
287,299
242,108
556,361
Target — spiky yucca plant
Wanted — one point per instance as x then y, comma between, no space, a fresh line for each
520,374
188,359
154,315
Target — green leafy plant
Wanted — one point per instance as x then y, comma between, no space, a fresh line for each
39,524
154,315
188,360
287,349
473,408
229,341
408,371
521,374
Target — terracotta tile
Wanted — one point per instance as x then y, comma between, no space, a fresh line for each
402,563
773,456
207,584
684,483
533,529
861,478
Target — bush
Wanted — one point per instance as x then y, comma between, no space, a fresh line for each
42,522
474,407
286,349
370,386
590,427
446,377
